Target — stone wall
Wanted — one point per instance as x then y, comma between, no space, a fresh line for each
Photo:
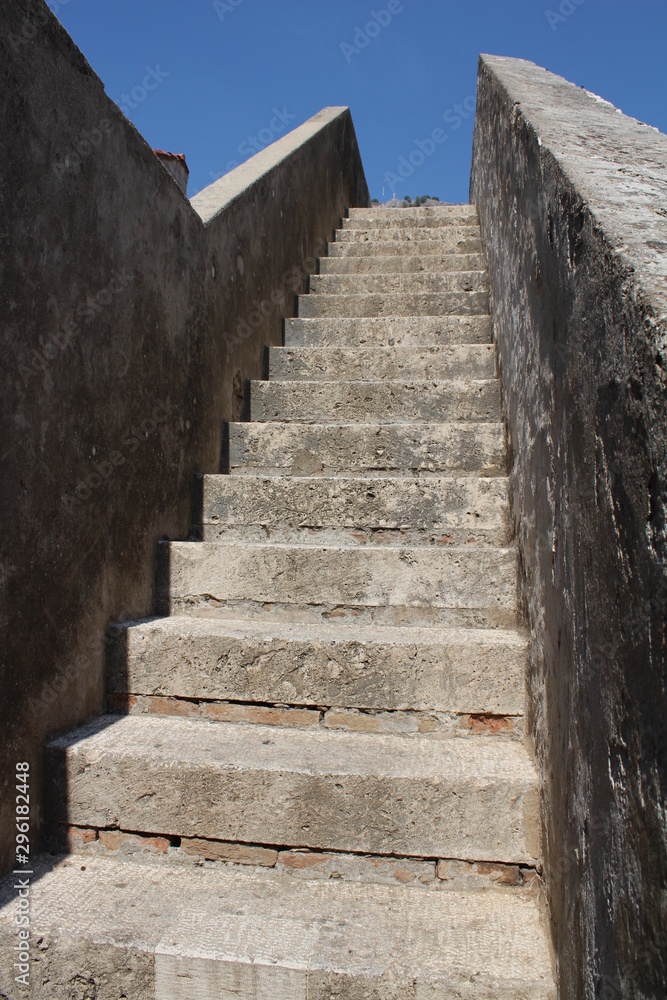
131,323
573,203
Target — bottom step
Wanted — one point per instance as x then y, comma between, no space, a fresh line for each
113,929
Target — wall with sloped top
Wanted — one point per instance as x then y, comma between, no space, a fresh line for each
132,320
572,197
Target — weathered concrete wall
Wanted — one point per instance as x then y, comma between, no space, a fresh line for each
572,197
131,322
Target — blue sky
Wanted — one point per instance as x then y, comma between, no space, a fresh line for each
232,75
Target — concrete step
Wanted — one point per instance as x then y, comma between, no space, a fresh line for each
397,304
434,263
385,402
431,241
454,213
401,284
422,580
458,361
398,236
388,331
411,219
330,665
334,449
356,511
145,931
378,794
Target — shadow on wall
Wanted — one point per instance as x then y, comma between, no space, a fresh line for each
134,320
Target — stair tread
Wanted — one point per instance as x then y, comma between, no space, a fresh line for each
331,664
399,400
450,509
212,930
399,284
330,632
445,261
447,209
319,788
390,331
421,578
370,304
337,447
364,232
230,745
427,364
402,220
447,241
354,385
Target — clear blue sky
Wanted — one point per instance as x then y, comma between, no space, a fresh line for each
223,71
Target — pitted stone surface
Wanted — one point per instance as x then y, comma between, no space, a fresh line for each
258,935
391,284
402,221
386,402
416,577
346,510
399,236
331,790
444,240
388,331
436,263
433,215
367,449
394,304
575,220
455,670
473,361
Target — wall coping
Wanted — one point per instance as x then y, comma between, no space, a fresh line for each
616,163
211,201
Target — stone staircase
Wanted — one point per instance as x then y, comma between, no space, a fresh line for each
318,785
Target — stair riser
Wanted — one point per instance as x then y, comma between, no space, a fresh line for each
331,449
480,579
396,331
436,264
417,215
385,402
443,241
356,511
407,234
389,364
462,676
401,284
411,224
339,797
136,931
447,304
